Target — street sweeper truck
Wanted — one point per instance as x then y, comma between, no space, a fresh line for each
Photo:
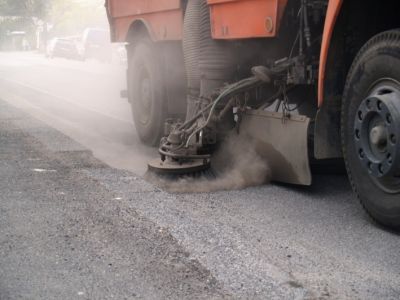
304,80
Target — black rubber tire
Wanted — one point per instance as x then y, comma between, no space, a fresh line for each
379,58
148,114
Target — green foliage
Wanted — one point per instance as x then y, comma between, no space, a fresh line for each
24,8
72,16
20,15
53,10
61,17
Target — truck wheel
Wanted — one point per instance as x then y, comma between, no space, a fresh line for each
146,94
371,127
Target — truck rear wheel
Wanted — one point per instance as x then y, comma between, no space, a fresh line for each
146,93
371,127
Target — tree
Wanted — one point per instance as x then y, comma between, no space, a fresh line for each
24,8
64,17
22,15
70,17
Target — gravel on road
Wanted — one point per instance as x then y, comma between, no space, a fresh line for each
63,235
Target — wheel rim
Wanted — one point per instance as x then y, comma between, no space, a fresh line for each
145,97
377,134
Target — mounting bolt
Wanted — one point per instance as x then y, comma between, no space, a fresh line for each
269,25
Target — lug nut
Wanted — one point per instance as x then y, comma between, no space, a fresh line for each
389,118
357,133
379,105
389,159
360,115
393,139
380,168
361,153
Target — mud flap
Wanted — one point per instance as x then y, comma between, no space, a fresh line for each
283,142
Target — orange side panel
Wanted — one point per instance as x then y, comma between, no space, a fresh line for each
124,8
163,26
333,11
241,19
163,18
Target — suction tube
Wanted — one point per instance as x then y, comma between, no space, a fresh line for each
209,63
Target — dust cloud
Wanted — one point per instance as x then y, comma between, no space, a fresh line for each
77,92
236,166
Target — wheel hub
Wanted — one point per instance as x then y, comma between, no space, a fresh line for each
378,136
377,130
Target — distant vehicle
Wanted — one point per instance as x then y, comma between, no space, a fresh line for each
62,47
96,44
121,55
18,41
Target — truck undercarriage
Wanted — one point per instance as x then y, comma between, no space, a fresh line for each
259,106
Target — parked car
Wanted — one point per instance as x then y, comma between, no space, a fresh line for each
17,41
62,47
96,44
120,54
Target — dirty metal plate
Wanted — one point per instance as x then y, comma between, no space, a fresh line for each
282,143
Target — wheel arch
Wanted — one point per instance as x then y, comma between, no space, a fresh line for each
138,30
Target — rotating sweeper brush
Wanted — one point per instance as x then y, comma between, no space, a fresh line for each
188,148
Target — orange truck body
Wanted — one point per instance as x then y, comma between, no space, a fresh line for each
230,19
163,18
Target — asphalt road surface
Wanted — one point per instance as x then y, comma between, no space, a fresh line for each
73,225
79,99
